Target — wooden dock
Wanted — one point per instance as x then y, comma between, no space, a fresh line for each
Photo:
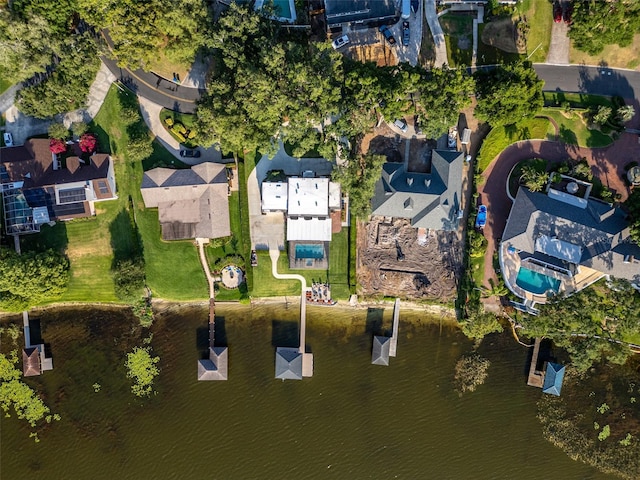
536,377
394,335
307,358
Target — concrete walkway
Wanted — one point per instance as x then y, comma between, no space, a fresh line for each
274,253
436,30
8,97
205,267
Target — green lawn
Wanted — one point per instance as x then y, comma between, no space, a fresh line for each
4,84
501,137
539,15
573,129
575,100
458,31
173,269
488,55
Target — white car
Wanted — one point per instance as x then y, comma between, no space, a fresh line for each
340,42
8,139
402,125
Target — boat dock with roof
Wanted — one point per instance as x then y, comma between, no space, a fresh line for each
385,347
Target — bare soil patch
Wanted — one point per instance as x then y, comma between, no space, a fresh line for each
503,34
379,53
431,260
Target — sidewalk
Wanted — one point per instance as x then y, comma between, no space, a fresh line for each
436,30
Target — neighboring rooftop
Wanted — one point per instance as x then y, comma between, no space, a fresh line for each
274,196
429,200
553,379
360,11
216,366
31,362
192,203
380,350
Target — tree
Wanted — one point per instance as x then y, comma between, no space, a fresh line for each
625,113
142,368
67,87
534,179
58,131
57,146
88,143
78,128
128,276
508,94
31,278
597,24
358,178
602,115
480,325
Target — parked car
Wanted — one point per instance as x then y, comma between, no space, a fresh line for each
557,12
481,218
340,42
567,13
190,153
254,258
8,139
384,29
405,34
401,124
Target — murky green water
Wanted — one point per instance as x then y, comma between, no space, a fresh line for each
352,420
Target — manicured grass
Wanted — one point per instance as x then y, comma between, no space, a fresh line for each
539,15
166,68
575,100
264,285
339,264
458,30
4,84
488,55
501,137
573,129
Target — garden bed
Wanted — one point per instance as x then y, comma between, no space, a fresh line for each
181,126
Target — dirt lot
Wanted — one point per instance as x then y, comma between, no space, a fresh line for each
503,34
429,267
380,53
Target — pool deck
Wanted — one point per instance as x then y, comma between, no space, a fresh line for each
511,262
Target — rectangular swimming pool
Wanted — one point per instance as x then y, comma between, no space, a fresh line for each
536,283
284,9
309,251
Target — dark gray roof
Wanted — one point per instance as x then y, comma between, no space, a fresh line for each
429,200
216,366
346,11
600,229
380,350
288,363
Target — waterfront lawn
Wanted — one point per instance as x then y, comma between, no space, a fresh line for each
539,15
500,138
339,265
264,285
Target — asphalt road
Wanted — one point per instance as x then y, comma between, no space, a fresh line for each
157,89
593,80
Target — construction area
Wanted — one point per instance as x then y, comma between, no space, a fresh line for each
395,259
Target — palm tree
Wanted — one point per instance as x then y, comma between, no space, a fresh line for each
533,179
625,113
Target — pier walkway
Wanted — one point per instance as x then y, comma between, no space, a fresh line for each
307,358
536,377
394,335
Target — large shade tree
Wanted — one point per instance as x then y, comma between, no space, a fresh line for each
508,94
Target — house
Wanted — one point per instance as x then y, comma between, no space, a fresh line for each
355,13
563,241
191,203
430,200
38,186
312,207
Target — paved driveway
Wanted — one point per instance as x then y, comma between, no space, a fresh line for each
559,46
436,30
411,52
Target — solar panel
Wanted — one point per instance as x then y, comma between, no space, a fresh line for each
72,195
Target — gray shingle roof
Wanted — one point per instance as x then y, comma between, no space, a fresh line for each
429,200
553,379
288,363
600,229
192,203
380,350
216,366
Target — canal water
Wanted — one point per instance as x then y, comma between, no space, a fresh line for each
352,420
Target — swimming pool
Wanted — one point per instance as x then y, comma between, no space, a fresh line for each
309,251
535,282
284,9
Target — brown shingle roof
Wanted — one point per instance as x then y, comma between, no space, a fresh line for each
31,362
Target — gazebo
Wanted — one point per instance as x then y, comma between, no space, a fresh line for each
553,378
380,350
31,362
288,363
